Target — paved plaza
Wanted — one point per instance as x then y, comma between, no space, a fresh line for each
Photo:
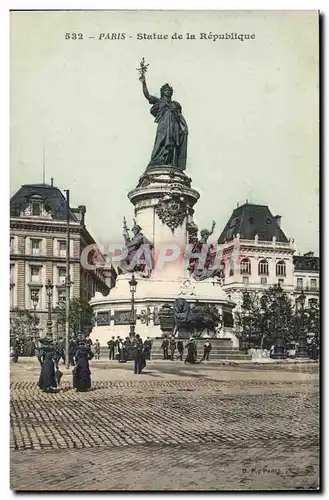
174,427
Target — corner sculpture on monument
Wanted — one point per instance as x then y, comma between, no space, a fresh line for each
170,146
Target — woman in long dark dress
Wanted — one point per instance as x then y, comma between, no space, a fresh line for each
47,379
81,372
191,351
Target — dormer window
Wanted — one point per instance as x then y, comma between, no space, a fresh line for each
36,208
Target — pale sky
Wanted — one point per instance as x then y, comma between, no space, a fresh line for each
251,107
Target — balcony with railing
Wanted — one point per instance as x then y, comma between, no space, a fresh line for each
307,289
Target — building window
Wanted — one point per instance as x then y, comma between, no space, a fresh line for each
221,269
231,267
36,208
245,280
281,282
12,291
313,284
61,274
263,267
299,283
61,296
263,281
35,274
62,248
12,268
36,247
281,268
11,244
245,266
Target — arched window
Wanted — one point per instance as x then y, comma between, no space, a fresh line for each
222,269
263,267
245,266
281,268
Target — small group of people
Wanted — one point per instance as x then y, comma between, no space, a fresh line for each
49,356
123,350
22,347
169,347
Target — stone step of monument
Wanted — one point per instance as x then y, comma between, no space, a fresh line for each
213,357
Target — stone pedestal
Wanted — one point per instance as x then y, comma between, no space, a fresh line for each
163,203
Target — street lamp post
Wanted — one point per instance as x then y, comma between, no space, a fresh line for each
35,302
301,351
49,291
279,350
133,286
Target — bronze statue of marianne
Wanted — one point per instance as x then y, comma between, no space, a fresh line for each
170,144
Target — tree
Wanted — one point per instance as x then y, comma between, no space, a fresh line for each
247,319
80,316
21,322
266,319
278,317
312,321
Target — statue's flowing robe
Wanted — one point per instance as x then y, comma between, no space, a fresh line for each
170,146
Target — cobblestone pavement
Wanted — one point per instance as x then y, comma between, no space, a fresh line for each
173,428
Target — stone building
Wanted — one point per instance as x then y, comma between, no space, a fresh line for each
306,276
256,254
38,251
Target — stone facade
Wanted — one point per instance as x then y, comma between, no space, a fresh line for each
256,255
38,251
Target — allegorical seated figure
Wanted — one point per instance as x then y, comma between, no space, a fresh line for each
206,271
133,245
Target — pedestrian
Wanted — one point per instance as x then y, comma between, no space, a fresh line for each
191,351
61,344
180,349
30,347
81,371
17,348
147,348
38,350
118,345
111,347
72,350
206,350
172,348
47,379
97,348
138,354
88,341
127,349
164,347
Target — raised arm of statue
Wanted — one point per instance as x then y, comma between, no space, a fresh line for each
151,99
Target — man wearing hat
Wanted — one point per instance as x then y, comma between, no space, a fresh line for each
111,346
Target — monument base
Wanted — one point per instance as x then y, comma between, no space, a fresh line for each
114,313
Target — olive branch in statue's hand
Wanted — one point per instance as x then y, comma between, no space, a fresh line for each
142,70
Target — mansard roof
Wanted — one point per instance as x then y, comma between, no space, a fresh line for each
250,220
306,263
51,196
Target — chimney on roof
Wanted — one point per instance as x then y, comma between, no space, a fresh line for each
237,204
52,181
246,202
82,211
309,254
277,219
